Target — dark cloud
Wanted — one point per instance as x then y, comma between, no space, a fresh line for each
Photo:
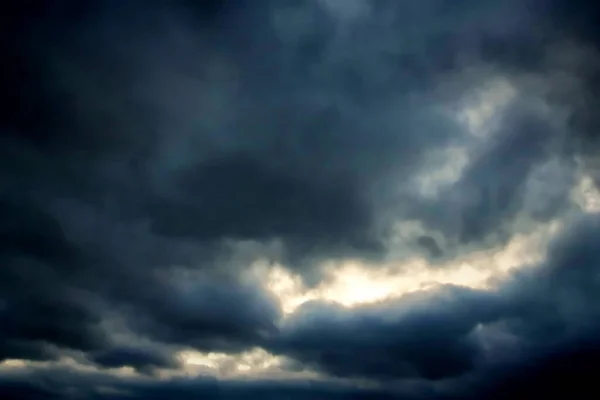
567,371
68,383
453,331
190,144
143,359
210,316
491,191
150,153
37,263
430,245
423,338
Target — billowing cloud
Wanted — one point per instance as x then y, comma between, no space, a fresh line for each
452,331
153,157
143,359
428,339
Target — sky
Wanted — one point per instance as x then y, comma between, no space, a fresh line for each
299,199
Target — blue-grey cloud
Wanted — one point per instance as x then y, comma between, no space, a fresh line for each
141,144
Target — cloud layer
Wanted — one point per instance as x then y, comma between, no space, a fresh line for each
151,155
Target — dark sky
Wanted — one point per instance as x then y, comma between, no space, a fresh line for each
152,153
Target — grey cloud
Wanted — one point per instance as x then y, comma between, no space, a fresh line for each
410,338
198,142
131,170
491,191
140,140
565,371
143,359
53,299
38,263
209,315
544,309
36,384
430,245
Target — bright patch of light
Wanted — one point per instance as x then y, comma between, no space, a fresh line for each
351,283
64,362
13,363
252,363
586,195
483,104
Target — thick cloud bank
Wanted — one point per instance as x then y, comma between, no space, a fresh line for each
151,154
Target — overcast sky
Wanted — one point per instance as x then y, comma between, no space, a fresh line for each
299,199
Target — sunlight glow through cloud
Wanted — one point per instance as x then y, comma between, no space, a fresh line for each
484,103
252,363
587,195
353,283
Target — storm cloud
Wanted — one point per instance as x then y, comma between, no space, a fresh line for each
152,155
453,331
